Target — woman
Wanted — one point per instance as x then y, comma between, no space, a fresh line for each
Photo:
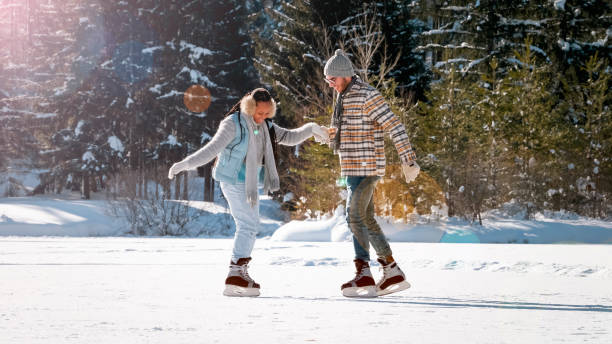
245,146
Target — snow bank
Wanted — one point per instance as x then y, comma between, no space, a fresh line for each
46,216
334,229
67,215
33,216
501,226
19,179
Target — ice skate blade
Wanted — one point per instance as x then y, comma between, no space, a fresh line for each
234,290
394,288
369,291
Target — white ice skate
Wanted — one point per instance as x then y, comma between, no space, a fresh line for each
238,281
393,279
363,284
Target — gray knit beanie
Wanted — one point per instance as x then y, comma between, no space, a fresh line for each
339,65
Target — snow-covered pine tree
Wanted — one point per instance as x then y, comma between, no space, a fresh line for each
468,34
86,145
401,31
92,148
16,139
472,32
86,139
132,63
444,143
288,59
530,121
487,98
585,165
575,30
31,74
201,44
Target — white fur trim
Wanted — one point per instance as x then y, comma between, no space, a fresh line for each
248,105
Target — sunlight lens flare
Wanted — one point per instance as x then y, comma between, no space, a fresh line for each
197,98
460,236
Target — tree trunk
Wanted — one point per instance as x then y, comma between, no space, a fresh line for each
85,193
166,186
177,186
185,186
137,182
93,185
116,186
144,186
209,183
156,182
59,185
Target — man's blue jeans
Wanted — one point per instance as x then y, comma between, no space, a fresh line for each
360,218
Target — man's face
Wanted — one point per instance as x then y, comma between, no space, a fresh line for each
338,83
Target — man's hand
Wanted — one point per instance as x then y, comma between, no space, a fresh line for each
176,169
332,132
411,171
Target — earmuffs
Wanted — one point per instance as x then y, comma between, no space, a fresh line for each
248,104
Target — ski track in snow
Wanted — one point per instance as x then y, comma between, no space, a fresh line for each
168,290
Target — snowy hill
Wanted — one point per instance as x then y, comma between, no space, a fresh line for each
49,216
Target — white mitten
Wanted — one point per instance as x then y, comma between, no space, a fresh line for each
411,171
321,134
176,169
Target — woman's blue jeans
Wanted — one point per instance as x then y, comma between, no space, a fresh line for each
360,218
245,217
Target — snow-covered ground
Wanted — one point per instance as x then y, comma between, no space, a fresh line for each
70,274
169,290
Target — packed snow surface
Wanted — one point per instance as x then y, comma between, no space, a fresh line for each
165,290
96,284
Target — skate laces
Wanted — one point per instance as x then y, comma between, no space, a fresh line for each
360,273
387,272
385,269
242,270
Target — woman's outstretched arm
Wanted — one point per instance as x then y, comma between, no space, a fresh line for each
292,137
224,135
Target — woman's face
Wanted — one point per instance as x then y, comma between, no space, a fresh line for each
263,110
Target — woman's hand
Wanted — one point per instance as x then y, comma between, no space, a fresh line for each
176,169
321,134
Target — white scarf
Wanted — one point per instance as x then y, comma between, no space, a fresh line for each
271,180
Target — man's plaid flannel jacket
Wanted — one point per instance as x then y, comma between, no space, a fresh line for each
366,117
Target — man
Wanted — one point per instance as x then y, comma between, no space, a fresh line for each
361,117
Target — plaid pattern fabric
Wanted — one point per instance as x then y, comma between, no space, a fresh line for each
366,117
